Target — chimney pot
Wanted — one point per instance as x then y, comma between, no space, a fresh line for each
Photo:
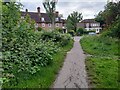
57,13
26,10
38,9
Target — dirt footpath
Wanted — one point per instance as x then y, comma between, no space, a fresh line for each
73,74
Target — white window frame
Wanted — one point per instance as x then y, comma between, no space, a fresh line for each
49,25
57,19
57,24
43,24
42,19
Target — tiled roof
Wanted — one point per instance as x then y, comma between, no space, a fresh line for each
88,21
82,25
35,16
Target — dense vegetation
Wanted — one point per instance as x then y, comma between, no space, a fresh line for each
30,58
72,21
102,63
109,19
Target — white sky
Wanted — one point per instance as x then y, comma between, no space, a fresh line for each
88,8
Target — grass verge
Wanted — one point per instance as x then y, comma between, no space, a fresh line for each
46,76
102,64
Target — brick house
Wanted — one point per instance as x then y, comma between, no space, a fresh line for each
90,24
42,19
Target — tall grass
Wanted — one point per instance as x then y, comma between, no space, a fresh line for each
102,64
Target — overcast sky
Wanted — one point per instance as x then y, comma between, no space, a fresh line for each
88,8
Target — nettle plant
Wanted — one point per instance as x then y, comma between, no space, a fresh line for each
24,50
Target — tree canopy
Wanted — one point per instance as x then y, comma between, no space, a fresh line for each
73,19
110,14
50,7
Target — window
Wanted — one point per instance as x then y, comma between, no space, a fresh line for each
49,25
56,19
43,24
42,19
57,24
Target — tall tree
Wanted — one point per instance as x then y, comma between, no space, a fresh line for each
72,20
50,7
110,14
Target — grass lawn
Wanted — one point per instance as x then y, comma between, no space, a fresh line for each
102,64
47,75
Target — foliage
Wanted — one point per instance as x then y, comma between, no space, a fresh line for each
102,63
46,76
101,46
25,51
100,18
71,32
80,31
103,72
110,14
59,38
59,30
72,20
39,29
50,6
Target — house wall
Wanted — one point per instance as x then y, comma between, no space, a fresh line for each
47,26
90,26
97,29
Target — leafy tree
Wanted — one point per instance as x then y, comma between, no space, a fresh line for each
111,17
100,18
80,31
72,20
110,14
10,14
50,6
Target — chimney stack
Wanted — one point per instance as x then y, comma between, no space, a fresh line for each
38,9
56,13
26,10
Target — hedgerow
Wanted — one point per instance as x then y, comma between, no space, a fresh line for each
25,51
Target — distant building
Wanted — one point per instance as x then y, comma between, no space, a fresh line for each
90,24
42,19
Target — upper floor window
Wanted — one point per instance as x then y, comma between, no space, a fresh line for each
42,19
57,19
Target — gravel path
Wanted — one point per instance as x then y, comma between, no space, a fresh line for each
73,74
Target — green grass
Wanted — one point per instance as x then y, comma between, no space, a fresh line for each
46,76
102,66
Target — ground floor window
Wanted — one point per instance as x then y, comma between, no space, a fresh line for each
43,24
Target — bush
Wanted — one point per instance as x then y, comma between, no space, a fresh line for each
80,31
39,29
59,30
113,30
71,32
59,38
24,50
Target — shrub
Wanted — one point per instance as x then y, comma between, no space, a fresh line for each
80,31
39,29
113,30
71,32
59,30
